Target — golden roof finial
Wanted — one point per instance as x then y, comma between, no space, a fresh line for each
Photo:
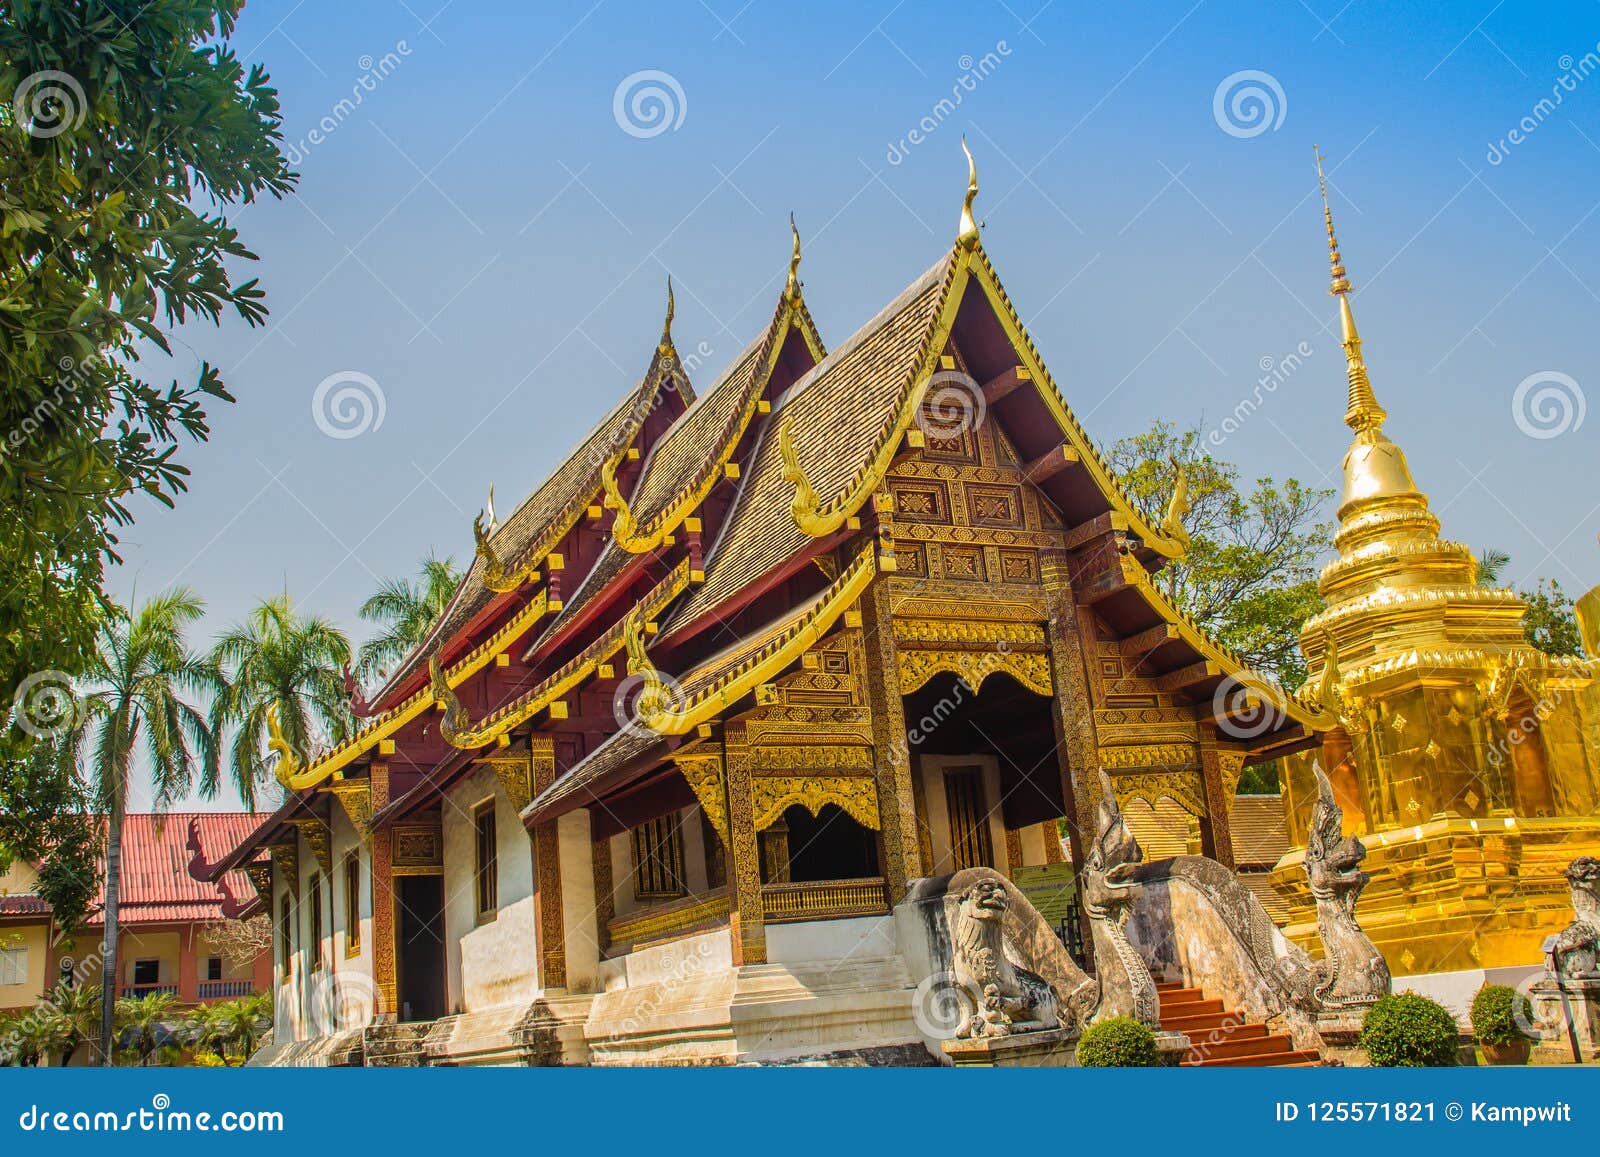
791,288
666,326
1362,413
967,237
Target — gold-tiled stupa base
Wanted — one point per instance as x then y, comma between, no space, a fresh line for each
1455,894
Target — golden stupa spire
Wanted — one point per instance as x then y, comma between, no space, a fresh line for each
666,326
791,288
967,235
1362,414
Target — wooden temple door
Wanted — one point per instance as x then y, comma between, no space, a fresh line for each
420,900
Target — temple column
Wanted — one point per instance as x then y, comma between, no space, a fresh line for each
384,972
897,813
1072,707
547,902
746,914
1219,771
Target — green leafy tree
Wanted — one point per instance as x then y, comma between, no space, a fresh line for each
141,677
46,819
1250,574
283,664
1551,624
405,611
127,131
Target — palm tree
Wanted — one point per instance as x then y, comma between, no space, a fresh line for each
240,1023
145,1019
139,674
277,661
70,1015
406,610
1492,564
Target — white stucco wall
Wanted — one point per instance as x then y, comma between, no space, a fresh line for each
491,962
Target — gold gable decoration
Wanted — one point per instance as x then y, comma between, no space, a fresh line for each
772,795
355,796
319,840
1031,670
514,770
1185,788
703,773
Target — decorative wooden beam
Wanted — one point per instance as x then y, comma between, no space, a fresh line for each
1007,383
1186,677
1050,463
1136,647
1086,532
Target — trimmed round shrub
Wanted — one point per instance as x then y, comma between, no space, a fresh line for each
1405,1030
1499,1013
1118,1043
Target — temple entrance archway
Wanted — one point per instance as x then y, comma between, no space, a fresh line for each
987,774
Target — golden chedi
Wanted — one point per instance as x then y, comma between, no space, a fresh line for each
1467,761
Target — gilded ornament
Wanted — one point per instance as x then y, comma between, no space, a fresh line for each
703,773
355,796
772,795
319,839
1186,788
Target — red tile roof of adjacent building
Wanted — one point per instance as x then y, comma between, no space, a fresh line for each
156,885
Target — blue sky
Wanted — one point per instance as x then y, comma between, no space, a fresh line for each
481,238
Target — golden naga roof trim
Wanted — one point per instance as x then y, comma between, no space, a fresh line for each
380,727
635,538
457,728
967,231
654,708
665,347
289,764
791,287
1362,413
1178,506
1233,664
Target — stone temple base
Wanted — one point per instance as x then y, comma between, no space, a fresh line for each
1583,1005
1053,1048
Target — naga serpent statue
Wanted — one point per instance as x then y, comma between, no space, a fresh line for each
1109,895
1353,971
1577,947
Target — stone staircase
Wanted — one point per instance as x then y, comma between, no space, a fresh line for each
395,1046
1219,1037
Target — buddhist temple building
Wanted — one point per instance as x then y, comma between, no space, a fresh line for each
1466,760
751,659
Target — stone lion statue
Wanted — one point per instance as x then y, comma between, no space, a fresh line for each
1577,947
1014,999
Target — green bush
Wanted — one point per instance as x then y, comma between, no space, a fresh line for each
1118,1043
1405,1030
1498,1014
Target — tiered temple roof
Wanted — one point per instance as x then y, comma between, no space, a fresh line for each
715,538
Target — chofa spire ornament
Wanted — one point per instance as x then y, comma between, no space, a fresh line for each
791,288
1362,414
967,235
665,345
